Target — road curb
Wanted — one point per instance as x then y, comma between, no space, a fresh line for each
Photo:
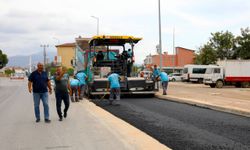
193,102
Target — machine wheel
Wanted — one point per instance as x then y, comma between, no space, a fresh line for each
219,84
245,84
238,85
212,85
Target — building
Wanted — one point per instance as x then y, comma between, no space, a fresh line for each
65,53
171,63
83,43
183,56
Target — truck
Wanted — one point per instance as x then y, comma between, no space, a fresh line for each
228,72
194,73
107,54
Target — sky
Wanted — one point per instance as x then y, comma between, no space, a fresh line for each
26,24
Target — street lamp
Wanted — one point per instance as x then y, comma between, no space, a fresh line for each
97,19
174,53
44,55
160,46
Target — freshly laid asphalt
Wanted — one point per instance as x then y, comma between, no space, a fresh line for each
182,126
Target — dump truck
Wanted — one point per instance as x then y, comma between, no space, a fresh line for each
228,72
114,54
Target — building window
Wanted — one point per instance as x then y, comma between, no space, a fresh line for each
217,70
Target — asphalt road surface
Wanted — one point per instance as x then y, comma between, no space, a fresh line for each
183,127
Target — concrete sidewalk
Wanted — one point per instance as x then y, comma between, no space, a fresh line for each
228,99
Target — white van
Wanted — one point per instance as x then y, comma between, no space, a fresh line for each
194,73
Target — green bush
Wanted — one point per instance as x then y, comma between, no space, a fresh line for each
70,71
9,72
52,70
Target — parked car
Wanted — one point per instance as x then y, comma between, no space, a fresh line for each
175,77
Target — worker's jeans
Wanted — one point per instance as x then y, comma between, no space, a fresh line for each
62,96
114,94
44,98
164,86
82,90
74,92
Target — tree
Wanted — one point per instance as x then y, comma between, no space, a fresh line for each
206,55
3,59
70,71
224,44
243,44
52,70
9,71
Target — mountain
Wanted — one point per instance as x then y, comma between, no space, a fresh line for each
23,61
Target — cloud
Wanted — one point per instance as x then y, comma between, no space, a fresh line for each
26,24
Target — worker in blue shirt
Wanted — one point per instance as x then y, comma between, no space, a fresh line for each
156,72
130,54
129,62
74,89
164,81
82,77
114,83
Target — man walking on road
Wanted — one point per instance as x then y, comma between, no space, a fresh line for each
39,83
113,81
61,91
164,81
82,77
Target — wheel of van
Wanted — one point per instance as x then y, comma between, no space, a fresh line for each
238,85
212,85
219,84
245,84
200,81
173,80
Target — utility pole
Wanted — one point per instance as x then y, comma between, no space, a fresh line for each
97,19
160,45
30,65
44,55
174,54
